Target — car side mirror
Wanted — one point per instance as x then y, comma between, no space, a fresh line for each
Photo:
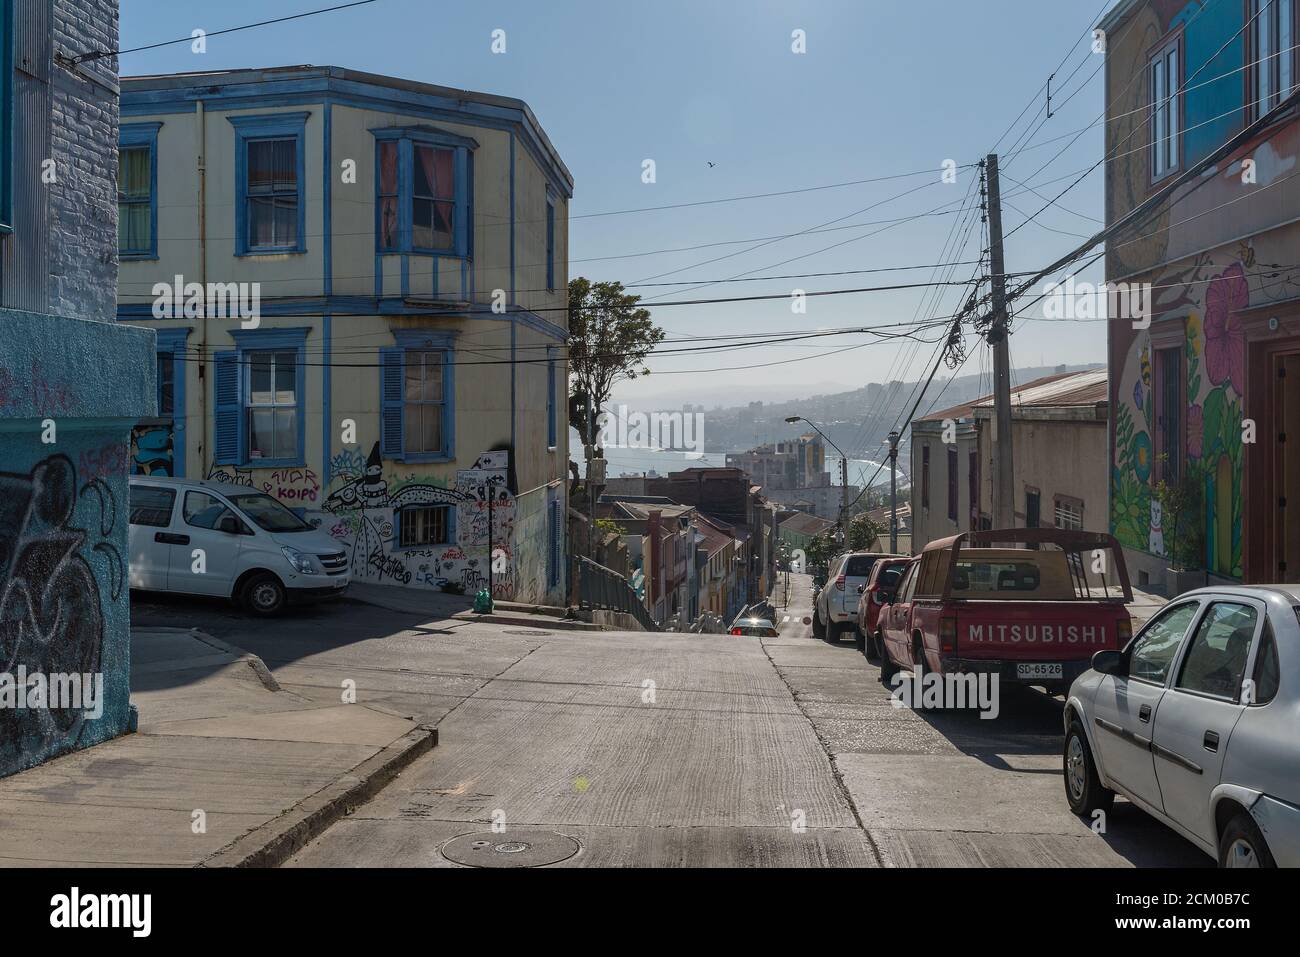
228,524
861,589
1109,663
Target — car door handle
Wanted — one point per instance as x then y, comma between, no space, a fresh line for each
170,538
1211,741
1144,713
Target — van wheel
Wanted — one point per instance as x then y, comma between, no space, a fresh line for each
1242,845
1083,788
264,595
859,639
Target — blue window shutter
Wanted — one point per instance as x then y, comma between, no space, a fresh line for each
229,411
390,402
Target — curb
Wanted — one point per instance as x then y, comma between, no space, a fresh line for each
253,661
560,624
274,842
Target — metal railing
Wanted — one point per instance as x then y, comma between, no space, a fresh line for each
604,588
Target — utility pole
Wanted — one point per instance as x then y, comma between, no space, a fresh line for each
893,492
1004,509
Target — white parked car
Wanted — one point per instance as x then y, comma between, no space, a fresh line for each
230,541
1197,721
835,609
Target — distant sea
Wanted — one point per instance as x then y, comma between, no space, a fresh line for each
663,461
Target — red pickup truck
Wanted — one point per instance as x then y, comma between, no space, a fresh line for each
1031,605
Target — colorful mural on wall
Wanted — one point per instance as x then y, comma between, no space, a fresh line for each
151,449
1206,296
359,510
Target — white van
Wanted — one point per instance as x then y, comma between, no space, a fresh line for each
231,541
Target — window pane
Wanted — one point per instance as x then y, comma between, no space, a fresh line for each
1154,650
286,372
133,227
442,224
1216,659
259,378
133,173
388,169
433,376
388,223
272,166
261,434
286,433
422,223
151,506
166,386
1285,41
203,510
414,388
432,428
413,421
285,214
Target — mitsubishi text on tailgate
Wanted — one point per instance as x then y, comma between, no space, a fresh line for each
1031,605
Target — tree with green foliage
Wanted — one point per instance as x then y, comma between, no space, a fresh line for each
610,338
864,533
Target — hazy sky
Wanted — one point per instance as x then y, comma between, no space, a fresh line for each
884,88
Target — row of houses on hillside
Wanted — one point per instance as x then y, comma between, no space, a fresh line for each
699,541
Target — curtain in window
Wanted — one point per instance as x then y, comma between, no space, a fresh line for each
272,193
133,227
433,198
388,195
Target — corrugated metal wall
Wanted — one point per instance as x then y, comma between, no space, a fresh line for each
24,259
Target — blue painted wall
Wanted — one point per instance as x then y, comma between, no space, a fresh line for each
64,605
1211,112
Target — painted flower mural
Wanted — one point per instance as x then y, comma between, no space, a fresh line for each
1195,431
1225,341
1140,456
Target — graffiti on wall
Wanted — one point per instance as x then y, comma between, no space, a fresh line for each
51,614
292,486
152,449
231,476
1206,296
361,511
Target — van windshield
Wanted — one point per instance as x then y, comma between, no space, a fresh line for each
268,513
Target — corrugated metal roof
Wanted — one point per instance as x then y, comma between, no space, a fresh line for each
1084,388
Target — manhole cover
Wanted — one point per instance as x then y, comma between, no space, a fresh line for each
534,634
511,848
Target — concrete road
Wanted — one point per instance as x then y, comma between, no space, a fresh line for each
599,749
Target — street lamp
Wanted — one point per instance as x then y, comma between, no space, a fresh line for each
844,468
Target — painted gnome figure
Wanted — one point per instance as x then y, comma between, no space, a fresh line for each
373,490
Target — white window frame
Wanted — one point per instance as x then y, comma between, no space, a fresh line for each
1166,101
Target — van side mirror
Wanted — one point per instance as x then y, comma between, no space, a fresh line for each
1109,663
861,589
228,524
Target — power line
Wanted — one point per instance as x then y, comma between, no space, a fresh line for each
99,55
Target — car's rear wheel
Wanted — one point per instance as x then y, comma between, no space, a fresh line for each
918,658
264,595
876,646
833,630
1083,787
859,639
819,630
1242,844
887,667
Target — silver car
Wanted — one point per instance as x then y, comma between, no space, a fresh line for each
1197,721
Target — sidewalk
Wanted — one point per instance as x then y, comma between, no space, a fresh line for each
226,769
442,606
1143,606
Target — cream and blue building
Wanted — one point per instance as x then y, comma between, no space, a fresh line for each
359,288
